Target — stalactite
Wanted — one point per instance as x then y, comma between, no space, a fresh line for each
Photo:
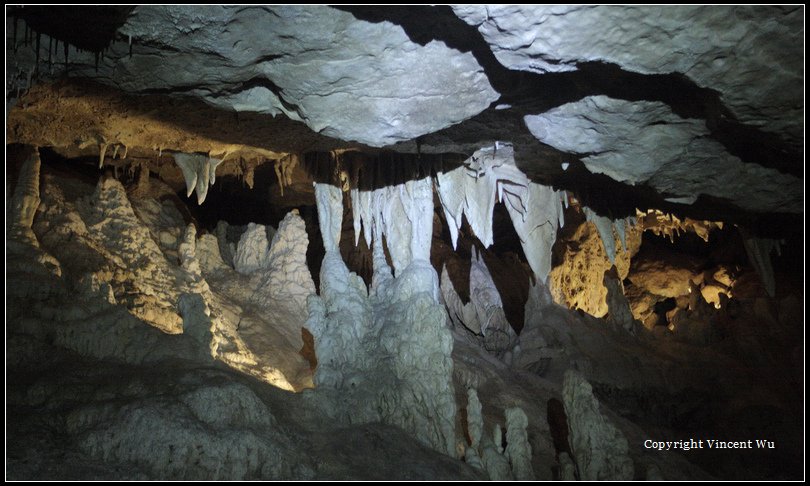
199,172
605,227
102,151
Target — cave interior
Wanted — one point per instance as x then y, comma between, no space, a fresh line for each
405,242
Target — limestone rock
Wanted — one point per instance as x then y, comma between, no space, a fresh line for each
196,318
729,49
578,281
199,172
25,200
667,276
490,175
188,252
499,337
600,449
330,214
568,470
518,450
285,275
226,248
619,313
495,463
365,81
147,284
475,422
226,436
644,142
251,252
483,315
387,354
208,254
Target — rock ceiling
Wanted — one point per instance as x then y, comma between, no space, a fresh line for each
680,106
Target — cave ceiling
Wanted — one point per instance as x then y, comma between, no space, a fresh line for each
693,109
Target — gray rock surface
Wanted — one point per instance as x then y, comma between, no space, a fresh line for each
644,142
344,78
750,54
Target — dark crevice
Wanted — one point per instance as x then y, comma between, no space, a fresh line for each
89,28
369,171
753,145
616,200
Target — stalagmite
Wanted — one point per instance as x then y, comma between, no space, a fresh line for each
187,251
484,314
251,252
497,437
461,314
475,422
388,352
25,200
285,275
499,337
209,254
226,248
518,450
600,449
619,313
568,470
496,465
471,457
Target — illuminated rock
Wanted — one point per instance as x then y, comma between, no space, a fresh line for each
251,252
388,353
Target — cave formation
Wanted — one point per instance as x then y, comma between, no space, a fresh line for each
422,242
